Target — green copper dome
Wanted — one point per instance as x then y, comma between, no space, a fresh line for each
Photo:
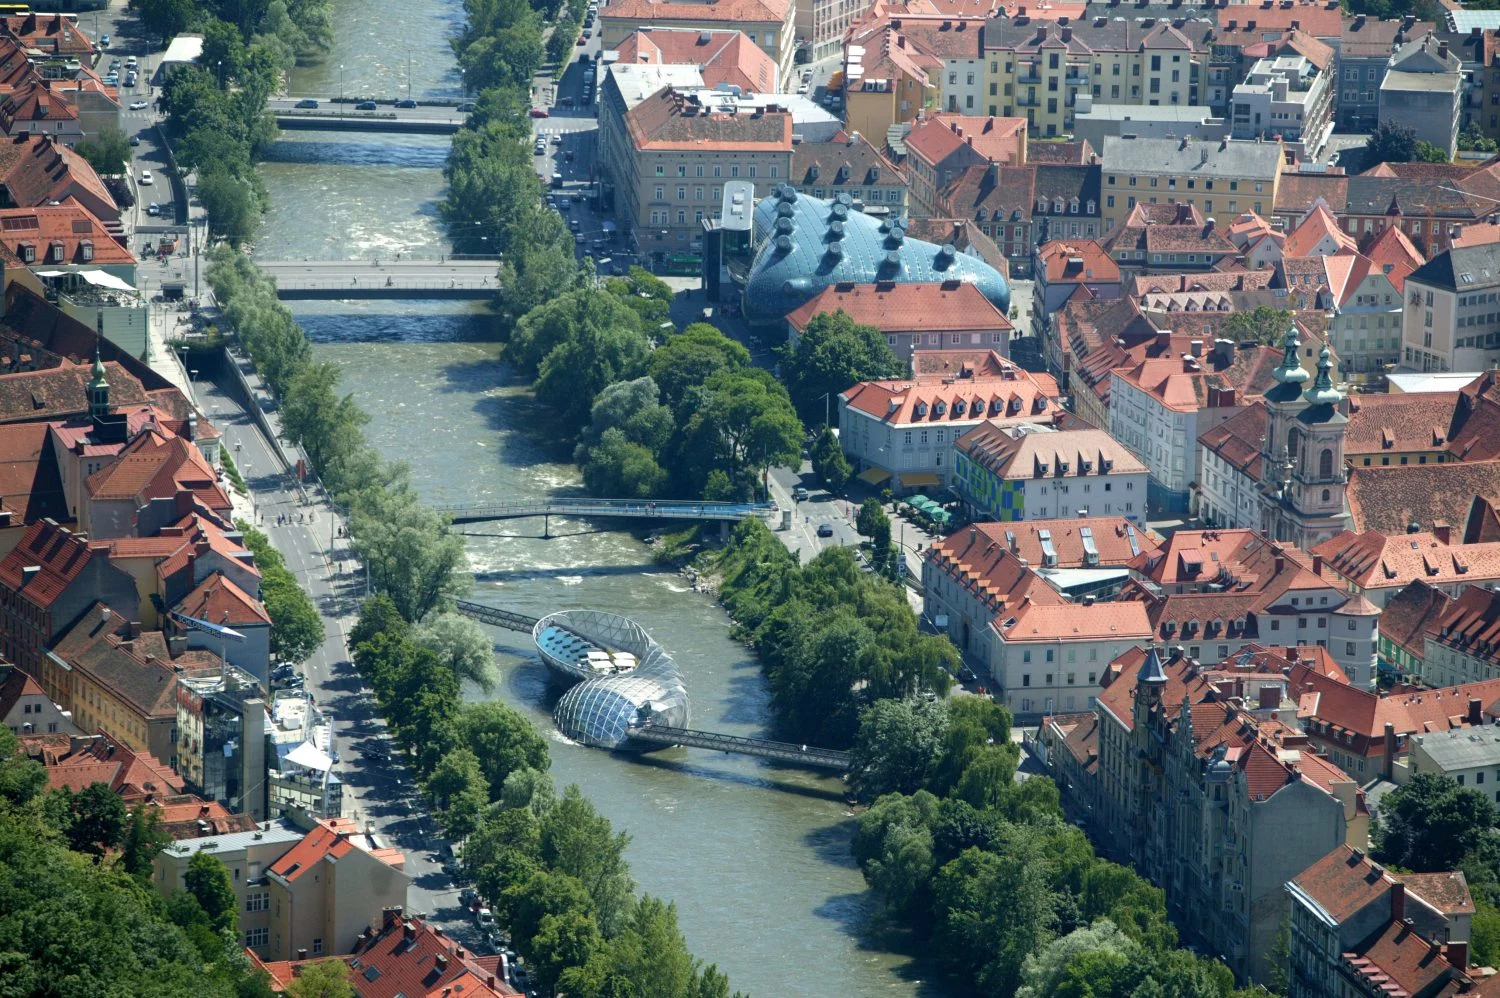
1291,371
98,380
1322,391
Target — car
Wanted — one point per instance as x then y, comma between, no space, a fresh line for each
540,112
307,104
802,89
563,203
566,101
540,149
130,78
467,897
365,105
587,34
484,918
966,675
132,62
111,80
408,103
465,107
557,180
153,209
557,140
825,530
581,41
104,41
799,494
135,140
574,224
146,178
137,105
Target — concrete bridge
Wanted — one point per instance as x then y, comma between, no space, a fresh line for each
342,279
334,115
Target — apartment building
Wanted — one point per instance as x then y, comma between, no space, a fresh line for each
1042,653
1423,91
1059,269
1451,321
221,739
902,430
1229,455
248,856
721,57
1366,45
940,147
1227,177
1217,807
849,164
1029,472
677,150
1168,238
1469,757
1285,95
768,24
1368,292
1381,566
1039,68
895,80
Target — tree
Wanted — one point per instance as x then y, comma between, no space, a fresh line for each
296,627
461,644
633,408
893,845
832,354
578,369
1391,144
1430,823
143,840
828,461
580,842
411,554
545,893
740,420
897,744
619,469
164,19
207,880
108,152
232,204
1045,970
871,517
503,739
97,822
1264,324
565,940
325,979
1485,933
992,912
1426,152
692,357
459,789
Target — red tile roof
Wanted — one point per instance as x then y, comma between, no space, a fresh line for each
1445,892
1011,453
1319,226
54,34
1321,20
409,958
156,466
1390,499
1077,261
998,140
989,570
59,556
37,171
933,400
65,233
30,483
1345,882
323,842
1075,622
1373,560
60,392
1184,386
1115,539
1470,625
1398,961
220,601
921,307
131,774
714,11
1238,439
721,56
1411,615
670,120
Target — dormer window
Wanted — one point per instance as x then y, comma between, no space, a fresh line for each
28,252
939,408
1073,206
86,250
920,410
1041,204
1057,206
56,251
1093,207
958,407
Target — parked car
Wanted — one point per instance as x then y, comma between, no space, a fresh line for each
557,181
465,107
540,112
825,530
467,897
407,104
137,105
574,224
484,918
111,80
581,41
153,209
557,140
799,494
307,104
132,62
135,140
966,675
146,180
104,41
365,105
130,78
563,203
540,148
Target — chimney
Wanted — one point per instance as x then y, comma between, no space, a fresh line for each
1164,339
1442,50
1317,564
1196,348
1389,766
1067,34
1280,564
1359,21
1441,532
1458,953
1398,902
1296,25
441,963
408,930
29,573
1476,712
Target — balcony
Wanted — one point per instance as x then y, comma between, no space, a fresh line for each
1029,76
1024,101
1076,79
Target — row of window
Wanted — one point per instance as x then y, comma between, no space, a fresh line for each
1072,679
718,170
1208,184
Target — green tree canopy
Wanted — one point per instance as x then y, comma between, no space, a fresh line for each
462,645
898,743
828,461
207,880
1430,823
832,354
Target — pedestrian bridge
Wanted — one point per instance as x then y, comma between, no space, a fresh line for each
374,279
664,735
667,509
334,114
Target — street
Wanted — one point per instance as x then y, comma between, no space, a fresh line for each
379,793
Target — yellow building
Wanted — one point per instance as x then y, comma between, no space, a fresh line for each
1221,179
768,24
1040,70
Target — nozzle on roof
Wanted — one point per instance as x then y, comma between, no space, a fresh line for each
785,210
840,211
783,244
893,259
788,193
835,250
946,255
845,200
784,226
836,229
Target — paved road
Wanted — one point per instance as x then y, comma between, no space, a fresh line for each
331,108
383,794
354,275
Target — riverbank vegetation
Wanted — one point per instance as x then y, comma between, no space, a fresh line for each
215,109
79,913
550,866
409,551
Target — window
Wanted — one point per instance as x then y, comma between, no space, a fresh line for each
661,171
258,937
1026,656
258,902
1026,677
318,946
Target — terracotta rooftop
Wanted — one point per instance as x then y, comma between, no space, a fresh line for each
135,776
1319,227
991,571
51,33
847,160
1013,453
30,483
220,601
156,466
1185,387
1077,261
60,392
996,140
727,12
1033,621
331,839
1373,560
1237,440
37,171
1398,961
934,400
99,647
58,557
726,57
64,233
1344,883
949,306
672,120
1411,615
1321,20
1446,892
1391,499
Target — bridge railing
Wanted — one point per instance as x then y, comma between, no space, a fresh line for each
664,509
765,748
508,619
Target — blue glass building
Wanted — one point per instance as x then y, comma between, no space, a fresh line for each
804,244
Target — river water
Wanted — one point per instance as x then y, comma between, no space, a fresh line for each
755,856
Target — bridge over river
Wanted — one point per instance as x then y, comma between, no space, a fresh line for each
333,114
346,279
642,728
640,509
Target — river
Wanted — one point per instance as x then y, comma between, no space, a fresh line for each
755,856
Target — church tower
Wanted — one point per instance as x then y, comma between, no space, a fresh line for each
1319,477
1283,403
98,389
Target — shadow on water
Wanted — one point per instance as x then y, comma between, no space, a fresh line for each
523,574
859,917
745,699
678,764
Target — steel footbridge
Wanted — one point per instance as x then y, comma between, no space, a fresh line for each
642,509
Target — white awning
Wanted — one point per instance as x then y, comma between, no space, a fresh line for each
98,278
310,756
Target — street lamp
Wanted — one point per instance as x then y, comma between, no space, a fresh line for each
827,404
341,90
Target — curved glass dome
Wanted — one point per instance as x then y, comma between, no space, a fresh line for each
805,244
601,712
